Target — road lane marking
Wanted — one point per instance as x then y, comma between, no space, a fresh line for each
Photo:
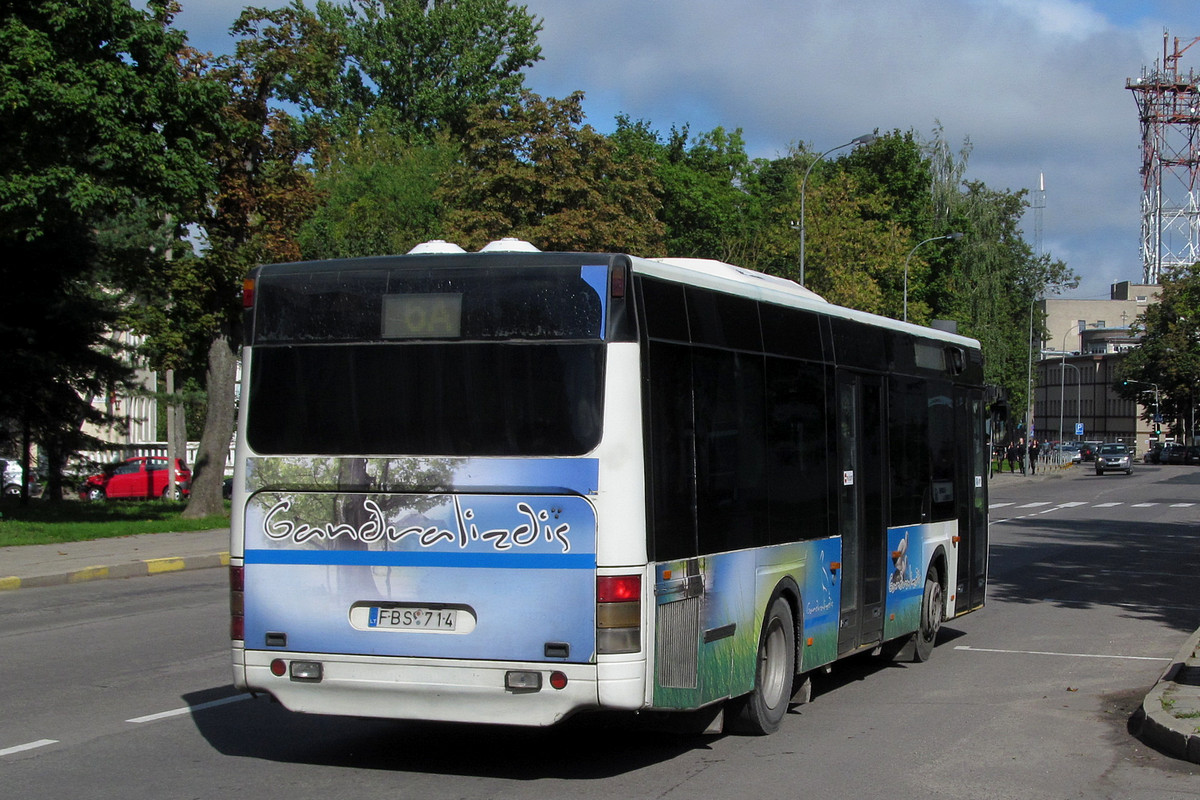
8,751
1182,505
1074,504
999,505
1108,505
1144,505
1038,504
1064,655
179,712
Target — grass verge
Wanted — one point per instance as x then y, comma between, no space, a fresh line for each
73,521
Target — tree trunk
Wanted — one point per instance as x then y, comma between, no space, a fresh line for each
208,473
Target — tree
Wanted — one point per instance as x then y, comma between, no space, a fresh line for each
1168,354
263,195
417,66
380,196
98,120
533,170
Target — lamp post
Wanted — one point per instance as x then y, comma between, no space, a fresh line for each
866,138
1078,387
952,236
1062,391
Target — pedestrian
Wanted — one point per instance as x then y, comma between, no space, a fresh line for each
1012,457
1021,454
1034,448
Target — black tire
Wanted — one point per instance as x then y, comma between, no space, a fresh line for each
12,490
761,711
932,608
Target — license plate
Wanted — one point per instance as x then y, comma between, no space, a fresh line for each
413,618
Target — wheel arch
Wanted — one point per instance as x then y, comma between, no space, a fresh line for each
789,590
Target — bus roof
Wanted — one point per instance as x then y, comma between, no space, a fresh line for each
720,276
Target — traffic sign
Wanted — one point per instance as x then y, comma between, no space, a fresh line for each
1079,429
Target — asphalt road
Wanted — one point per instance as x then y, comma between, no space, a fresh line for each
121,689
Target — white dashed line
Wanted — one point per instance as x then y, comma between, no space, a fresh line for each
1038,504
8,751
178,712
1063,655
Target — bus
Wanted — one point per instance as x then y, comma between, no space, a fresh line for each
508,486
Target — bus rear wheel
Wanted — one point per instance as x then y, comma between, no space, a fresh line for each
761,711
931,617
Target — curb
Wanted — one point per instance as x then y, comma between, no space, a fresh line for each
1158,727
135,569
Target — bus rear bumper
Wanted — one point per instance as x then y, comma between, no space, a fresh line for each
425,689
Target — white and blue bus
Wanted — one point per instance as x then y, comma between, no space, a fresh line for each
511,485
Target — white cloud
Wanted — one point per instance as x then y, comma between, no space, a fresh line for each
1037,85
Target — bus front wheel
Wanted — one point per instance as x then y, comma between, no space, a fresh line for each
931,617
761,711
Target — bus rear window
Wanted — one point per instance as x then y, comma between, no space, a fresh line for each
481,303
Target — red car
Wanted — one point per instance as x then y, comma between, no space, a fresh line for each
139,477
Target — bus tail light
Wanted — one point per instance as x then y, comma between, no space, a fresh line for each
248,293
237,603
618,613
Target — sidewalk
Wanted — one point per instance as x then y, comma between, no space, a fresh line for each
121,557
1169,719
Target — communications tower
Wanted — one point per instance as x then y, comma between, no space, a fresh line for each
1169,108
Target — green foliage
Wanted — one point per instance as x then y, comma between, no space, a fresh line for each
1169,353
379,197
420,66
99,121
534,171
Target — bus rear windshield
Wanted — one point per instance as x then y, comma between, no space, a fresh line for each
445,362
461,303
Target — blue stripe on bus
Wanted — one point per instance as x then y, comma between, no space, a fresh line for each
401,558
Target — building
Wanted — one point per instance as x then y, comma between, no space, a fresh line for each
1073,381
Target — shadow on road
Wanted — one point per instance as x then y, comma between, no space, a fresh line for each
589,746
1146,569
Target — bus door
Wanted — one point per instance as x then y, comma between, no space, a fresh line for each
972,503
861,425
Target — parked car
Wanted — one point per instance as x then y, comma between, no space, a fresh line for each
1178,453
1069,451
1087,450
1153,455
11,470
1113,456
138,477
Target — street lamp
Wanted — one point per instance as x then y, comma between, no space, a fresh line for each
866,138
1062,390
952,236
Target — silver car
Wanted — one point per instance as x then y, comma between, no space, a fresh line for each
1112,456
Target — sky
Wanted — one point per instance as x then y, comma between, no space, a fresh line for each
1037,88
